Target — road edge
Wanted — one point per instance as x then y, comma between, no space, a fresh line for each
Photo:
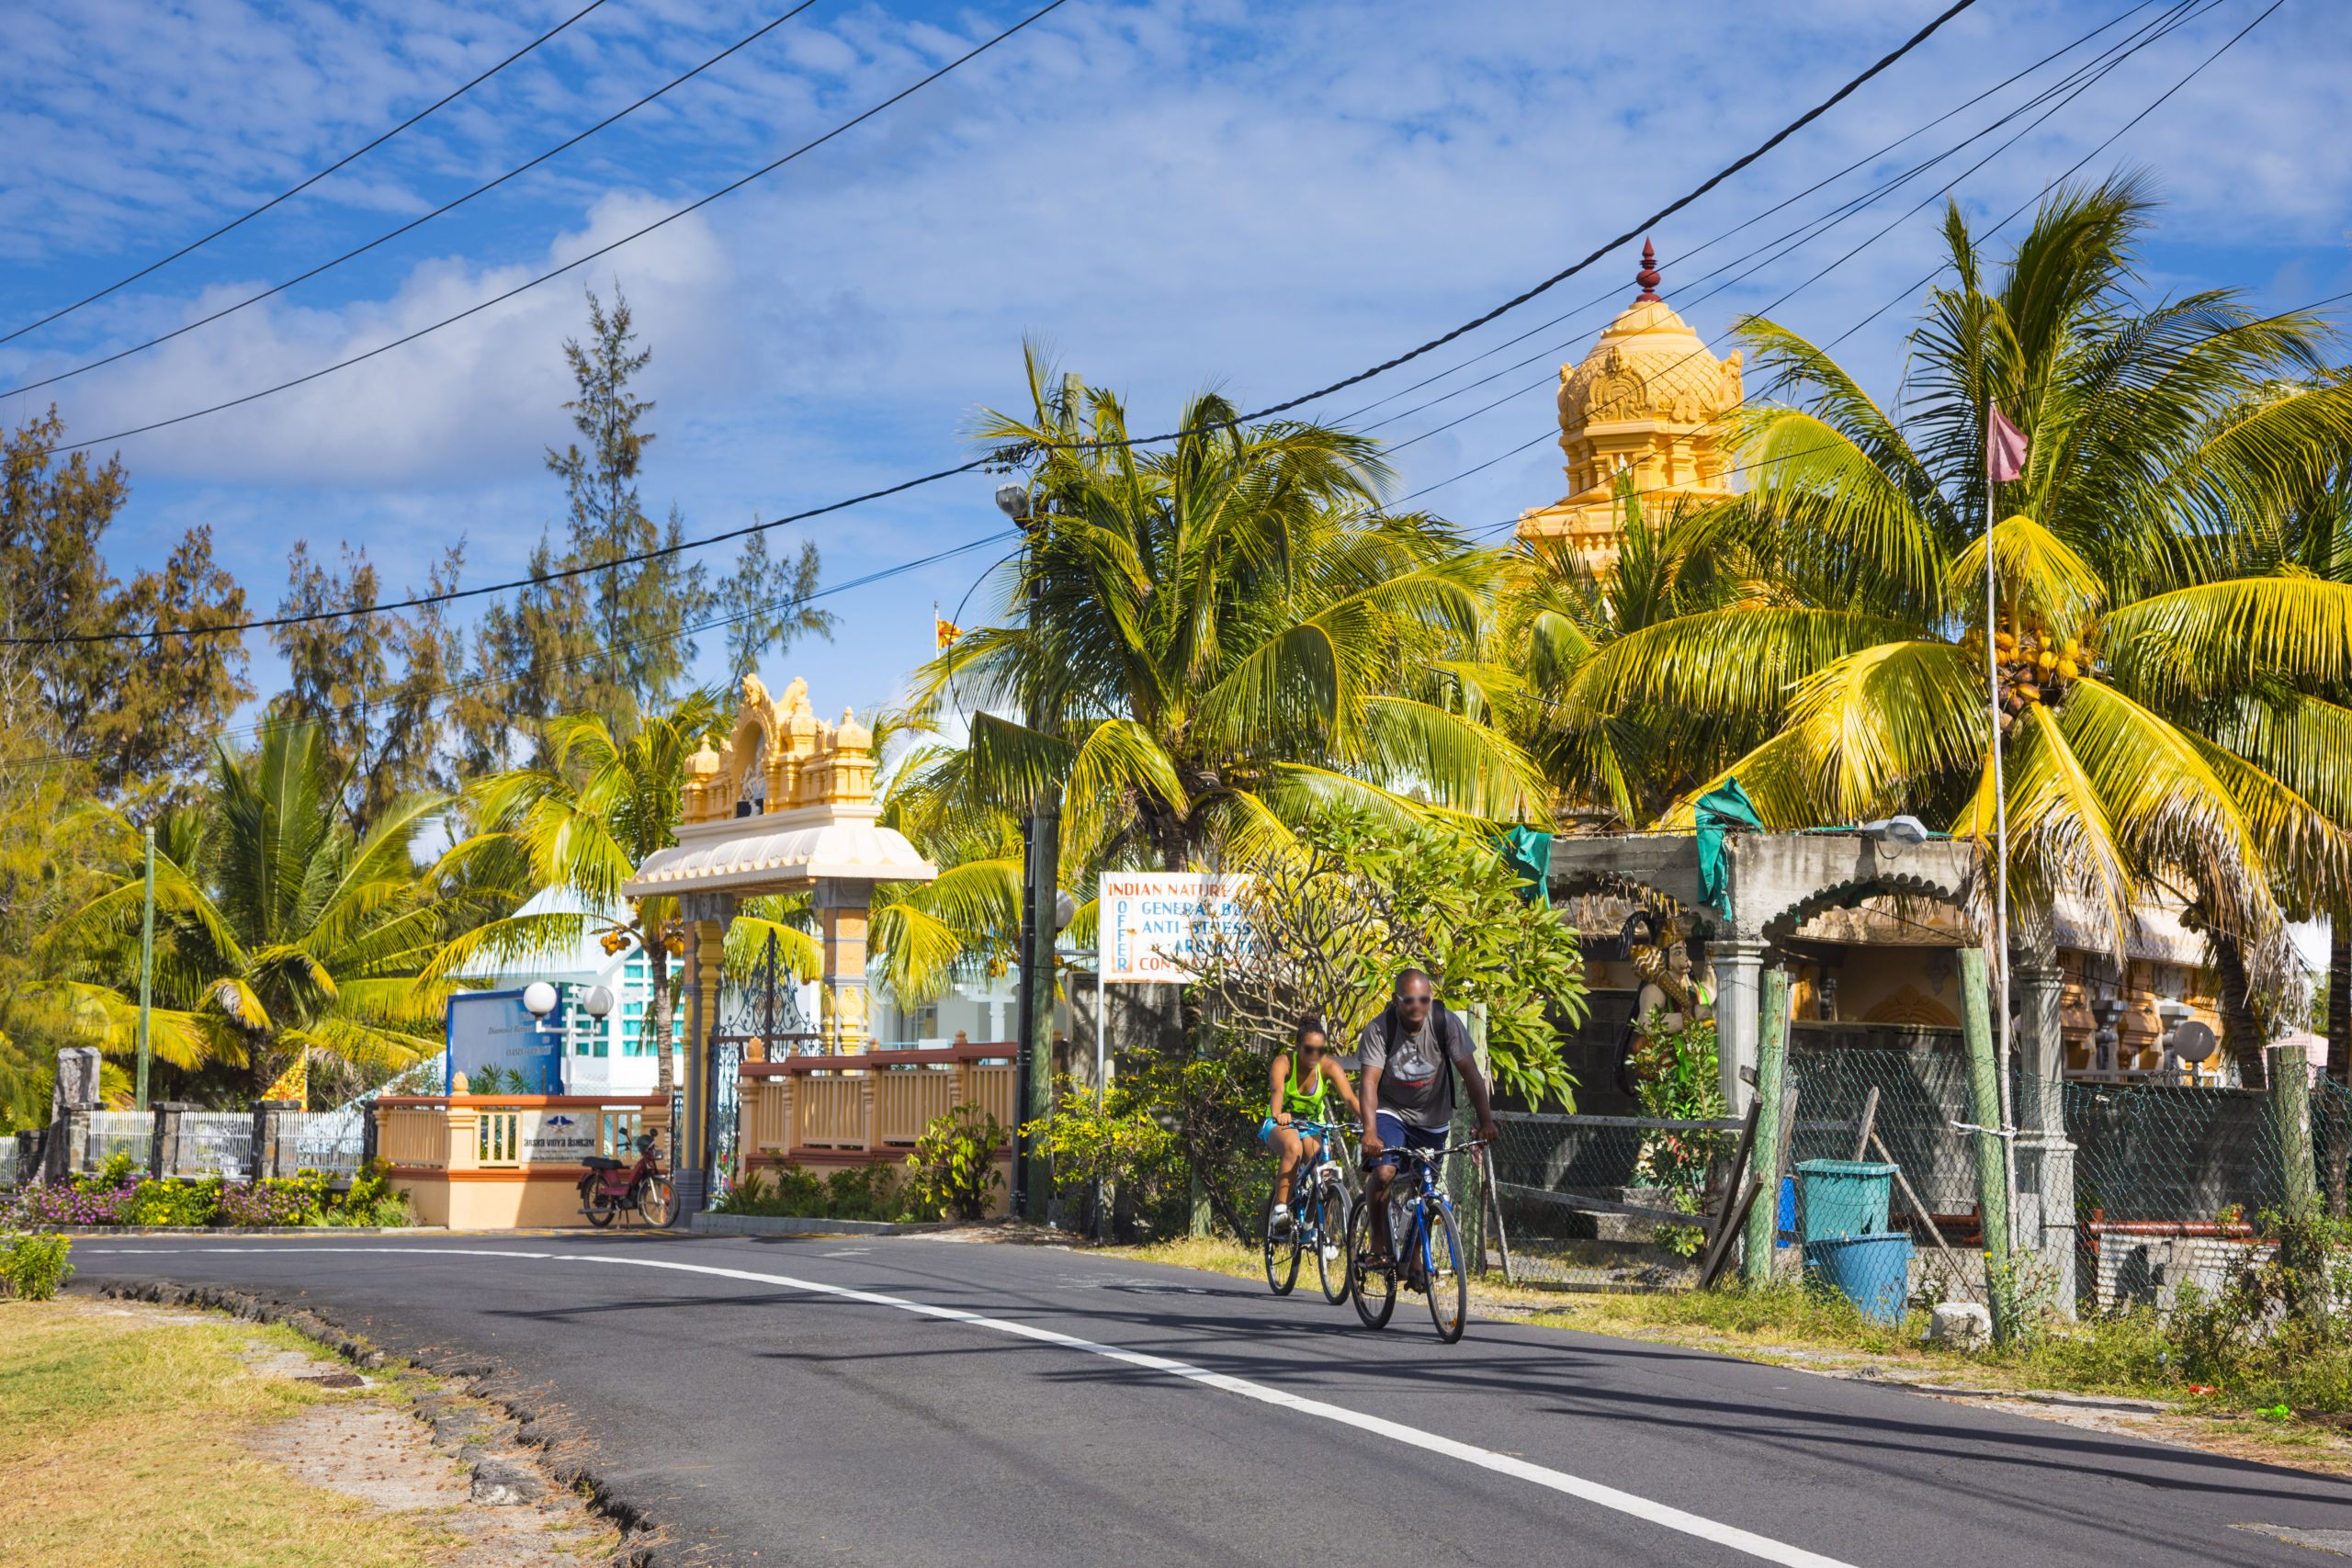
641,1534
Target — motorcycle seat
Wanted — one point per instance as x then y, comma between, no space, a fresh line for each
598,1161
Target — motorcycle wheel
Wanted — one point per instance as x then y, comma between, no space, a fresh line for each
601,1211
655,1203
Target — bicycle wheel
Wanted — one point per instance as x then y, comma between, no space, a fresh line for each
1281,1253
1371,1275
1331,1243
1449,1280
655,1202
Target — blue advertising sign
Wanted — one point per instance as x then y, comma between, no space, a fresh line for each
493,1030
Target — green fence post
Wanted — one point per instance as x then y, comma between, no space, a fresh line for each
2290,1122
1992,1168
1766,1155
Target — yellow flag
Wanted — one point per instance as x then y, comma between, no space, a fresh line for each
294,1083
946,631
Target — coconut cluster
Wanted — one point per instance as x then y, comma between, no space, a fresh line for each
2033,664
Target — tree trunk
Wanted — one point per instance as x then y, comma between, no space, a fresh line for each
2241,1030
657,1007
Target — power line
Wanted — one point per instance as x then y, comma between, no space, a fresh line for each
295,190
416,222
1787,242
577,262
1907,292
1709,183
487,681
1783,205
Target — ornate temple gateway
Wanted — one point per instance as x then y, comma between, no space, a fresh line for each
1649,399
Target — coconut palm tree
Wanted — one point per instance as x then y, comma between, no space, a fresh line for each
1211,640
277,927
2168,724
1556,612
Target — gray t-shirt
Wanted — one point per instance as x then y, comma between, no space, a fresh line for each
1415,1085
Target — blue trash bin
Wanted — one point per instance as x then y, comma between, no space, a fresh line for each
1872,1272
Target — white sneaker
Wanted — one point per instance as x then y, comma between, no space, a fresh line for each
1278,1223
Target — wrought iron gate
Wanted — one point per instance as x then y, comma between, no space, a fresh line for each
767,1011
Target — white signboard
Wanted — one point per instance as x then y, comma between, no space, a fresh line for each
555,1137
1153,921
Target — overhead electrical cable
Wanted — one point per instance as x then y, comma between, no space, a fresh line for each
581,261
1706,246
993,459
2072,85
1907,292
291,191
392,235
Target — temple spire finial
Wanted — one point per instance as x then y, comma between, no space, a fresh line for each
1649,277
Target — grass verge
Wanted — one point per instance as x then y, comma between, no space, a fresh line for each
121,1443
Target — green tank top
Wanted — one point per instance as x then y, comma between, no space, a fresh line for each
1297,1102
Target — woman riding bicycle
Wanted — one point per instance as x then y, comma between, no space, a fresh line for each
1303,1079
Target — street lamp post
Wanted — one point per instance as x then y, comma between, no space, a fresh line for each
1040,886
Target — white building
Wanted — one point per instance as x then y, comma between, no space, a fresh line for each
613,1055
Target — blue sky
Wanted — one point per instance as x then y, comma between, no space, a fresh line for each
1173,194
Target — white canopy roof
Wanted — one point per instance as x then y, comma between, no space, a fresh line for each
781,851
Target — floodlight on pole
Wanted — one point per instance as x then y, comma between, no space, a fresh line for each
1012,500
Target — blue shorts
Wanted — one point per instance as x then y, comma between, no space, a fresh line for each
1266,1132
1395,1136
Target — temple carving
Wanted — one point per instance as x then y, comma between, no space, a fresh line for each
1648,399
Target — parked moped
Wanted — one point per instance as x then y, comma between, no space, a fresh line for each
611,1189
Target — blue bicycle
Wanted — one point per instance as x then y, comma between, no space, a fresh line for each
1426,1250
1319,1219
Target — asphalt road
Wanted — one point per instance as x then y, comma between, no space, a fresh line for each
910,1402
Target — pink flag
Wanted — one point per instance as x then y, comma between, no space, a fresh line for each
2004,447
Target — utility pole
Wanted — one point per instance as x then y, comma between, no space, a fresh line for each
1040,888
146,966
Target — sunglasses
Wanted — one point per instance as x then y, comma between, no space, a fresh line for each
1407,999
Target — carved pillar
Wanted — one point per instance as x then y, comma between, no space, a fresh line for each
2045,1217
706,915
841,916
1739,966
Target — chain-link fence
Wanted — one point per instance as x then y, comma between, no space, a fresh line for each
1607,1203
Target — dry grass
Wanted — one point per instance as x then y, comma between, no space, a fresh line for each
123,1444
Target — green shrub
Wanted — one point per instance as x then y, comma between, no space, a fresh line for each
953,1169
175,1204
861,1192
369,1201
34,1266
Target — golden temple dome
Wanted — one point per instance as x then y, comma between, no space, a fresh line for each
1650,398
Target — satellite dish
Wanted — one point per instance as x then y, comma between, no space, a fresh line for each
2192,1043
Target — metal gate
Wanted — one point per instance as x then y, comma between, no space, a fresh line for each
767,1011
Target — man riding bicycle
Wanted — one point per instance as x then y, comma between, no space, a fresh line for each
1407,1056
1303,1079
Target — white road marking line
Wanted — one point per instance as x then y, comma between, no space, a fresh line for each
1660,1514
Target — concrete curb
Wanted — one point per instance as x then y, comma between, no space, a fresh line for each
797,1224
80,1232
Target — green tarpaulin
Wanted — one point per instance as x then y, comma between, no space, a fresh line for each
1528,853
1721,810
